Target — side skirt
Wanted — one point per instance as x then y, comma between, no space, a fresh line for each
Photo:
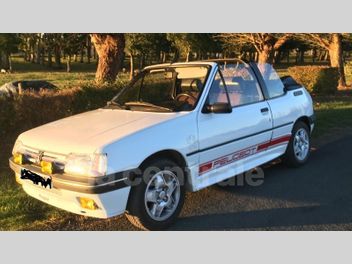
217,174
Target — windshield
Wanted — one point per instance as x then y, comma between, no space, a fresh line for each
169,89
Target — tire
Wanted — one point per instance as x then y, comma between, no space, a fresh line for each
161,191
298,150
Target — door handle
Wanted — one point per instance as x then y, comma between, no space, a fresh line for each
264,110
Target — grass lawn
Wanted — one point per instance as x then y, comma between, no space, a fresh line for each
18,211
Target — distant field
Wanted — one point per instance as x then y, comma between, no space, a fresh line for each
81,73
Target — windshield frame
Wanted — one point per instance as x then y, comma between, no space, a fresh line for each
168,66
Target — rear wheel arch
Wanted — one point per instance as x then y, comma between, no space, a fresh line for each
300,144
305,120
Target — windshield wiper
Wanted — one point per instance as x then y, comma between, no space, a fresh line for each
114,104
145,104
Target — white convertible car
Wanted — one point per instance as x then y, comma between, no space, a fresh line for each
176,128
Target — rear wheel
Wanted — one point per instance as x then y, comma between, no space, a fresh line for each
297,152
155,203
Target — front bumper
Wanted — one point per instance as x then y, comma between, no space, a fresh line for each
110,193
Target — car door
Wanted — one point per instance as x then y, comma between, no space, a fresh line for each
229,143
285,107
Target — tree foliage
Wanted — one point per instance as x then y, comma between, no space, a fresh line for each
50,49
332,42
264,43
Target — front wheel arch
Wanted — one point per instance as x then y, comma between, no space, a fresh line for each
174,156
168,154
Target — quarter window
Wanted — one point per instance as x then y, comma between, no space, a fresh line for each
272,80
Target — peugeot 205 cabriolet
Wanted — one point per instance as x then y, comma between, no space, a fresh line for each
175,128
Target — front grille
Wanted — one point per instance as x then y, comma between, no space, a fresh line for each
34,157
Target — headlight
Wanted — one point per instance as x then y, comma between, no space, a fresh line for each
18,148
89,165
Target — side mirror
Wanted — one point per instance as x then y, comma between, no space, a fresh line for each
289,83
219,108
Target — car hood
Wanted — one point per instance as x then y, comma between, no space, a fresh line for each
90,131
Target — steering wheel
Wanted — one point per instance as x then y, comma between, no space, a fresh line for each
194,99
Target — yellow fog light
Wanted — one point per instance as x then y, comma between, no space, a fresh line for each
18,158
18,180
47,167
88,203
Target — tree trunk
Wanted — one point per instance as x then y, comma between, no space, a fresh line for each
176,56
314,55
32,56
256,56
301,55
141,61
131,66
42,56
336,59
50,59
10,62
266,55
94,54
89,50
277,57
25,55
110,49
38,51
68,63
5,61
297,55
187,56
58,57
327,56
81,60
252,55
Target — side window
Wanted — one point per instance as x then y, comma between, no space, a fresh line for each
217,92
272,80
241,83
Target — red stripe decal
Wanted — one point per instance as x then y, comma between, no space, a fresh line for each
241,154
274,142
205,167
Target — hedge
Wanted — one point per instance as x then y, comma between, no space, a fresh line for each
30,110
316,79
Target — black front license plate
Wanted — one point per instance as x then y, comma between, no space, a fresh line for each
36,179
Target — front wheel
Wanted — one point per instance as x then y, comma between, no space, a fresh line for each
298,149
157,200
